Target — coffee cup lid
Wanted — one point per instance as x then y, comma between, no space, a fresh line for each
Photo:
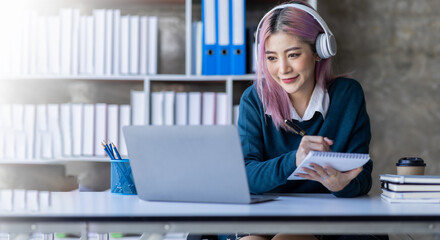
410,161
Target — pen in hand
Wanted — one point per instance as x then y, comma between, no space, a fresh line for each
295,128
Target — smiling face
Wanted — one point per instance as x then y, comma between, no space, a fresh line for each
291,63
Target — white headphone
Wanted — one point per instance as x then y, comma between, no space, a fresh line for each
325,42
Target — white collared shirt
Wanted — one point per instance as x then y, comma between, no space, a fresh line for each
319,102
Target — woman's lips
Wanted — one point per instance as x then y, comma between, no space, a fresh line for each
289,80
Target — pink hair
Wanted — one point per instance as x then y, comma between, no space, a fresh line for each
302,25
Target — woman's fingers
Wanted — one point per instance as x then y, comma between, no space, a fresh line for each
312,143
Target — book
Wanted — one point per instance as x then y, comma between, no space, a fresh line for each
397,187
409,200
407,195
337,160
425,179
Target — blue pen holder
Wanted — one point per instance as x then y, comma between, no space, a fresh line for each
122,177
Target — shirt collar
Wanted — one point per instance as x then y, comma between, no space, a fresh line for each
319,102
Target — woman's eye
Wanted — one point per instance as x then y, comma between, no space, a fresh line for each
292,55
270,58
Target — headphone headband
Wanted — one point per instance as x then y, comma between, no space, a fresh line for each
325,42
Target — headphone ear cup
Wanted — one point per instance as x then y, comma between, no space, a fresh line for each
321,46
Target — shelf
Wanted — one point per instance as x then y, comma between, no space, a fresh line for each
161,77
73,77
179,77
54,161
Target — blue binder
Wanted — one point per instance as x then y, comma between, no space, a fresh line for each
209,37
238,37
223,38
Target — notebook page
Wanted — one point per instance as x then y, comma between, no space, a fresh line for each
339,161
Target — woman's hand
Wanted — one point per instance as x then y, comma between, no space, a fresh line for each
312,143
332,179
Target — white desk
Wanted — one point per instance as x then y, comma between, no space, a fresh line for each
300,213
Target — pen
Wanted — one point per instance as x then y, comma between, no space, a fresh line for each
116,151
107,150
295,128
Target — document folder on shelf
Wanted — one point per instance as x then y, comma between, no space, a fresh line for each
223,38
209,37
238,54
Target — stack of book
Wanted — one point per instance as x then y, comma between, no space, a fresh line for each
410,188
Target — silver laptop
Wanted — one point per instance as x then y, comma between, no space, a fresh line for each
188,164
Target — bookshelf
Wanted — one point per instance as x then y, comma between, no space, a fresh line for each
233,85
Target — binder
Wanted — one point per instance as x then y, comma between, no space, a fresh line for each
143,46
29,126
223,38
54,44
209,66
113,123
100,128
17,131
99,41
77,129
66,128
168,107
53,124
182,108
40,129
124,120
221,114
125,45
137,102
89,44
134,45
157,107
194,108
153,33
108,42
208,108
39,55
66,18
116,40
88,130
196,48
75,41
238,54
83,45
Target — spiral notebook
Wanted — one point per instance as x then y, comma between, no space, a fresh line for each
337,160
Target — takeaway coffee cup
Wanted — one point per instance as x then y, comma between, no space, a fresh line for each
411,166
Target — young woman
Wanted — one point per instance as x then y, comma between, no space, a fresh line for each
294,83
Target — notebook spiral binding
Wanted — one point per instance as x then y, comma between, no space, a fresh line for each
341,155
